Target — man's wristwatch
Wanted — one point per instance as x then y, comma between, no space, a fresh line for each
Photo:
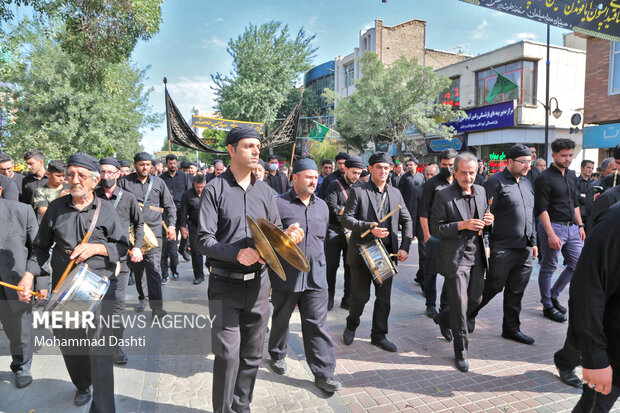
581,226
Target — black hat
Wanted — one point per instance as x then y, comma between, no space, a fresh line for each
184,165
342,155
125,164
142,156
364,173
354,162
241,132
85,161
414,159
110,161
303,164
617,151
518,150
378,157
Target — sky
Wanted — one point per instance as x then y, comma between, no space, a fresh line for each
192,40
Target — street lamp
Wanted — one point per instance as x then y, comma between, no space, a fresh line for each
556,114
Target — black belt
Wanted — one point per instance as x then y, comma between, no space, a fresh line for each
235,275
565,223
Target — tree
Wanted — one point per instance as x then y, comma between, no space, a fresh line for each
387,100
266,66
58,111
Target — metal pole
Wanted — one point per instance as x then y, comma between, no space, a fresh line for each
546,151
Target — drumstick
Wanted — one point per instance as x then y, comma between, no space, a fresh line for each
165,226
64,274
20,289
384,218
487,210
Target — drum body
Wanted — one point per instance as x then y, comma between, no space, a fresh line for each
149,241
378,261
82,290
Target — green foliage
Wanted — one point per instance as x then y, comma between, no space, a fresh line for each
322,150
389,99
58,111
266,66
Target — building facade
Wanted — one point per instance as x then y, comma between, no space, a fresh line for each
316,80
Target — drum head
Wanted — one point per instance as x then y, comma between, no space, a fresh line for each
64,290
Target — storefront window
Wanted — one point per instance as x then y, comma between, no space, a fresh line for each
452,96
522,73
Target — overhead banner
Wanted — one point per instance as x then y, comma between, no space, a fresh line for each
500,115
224,124
600,18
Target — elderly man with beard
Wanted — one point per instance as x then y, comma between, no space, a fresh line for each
306,290
66,222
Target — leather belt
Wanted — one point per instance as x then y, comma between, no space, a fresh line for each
564,223
235,275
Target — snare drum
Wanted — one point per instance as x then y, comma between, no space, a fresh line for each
378,261
82,290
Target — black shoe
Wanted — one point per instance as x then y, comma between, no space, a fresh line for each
462,365
330,303
519,337
554,315
431,311
165,280
278,366
131,281
348,336
569,377
558,306
120,357
328,384
197,281
186,255
385,344
344,303
141,306
445,330
159,313
471,325
175,275
81,397
22,379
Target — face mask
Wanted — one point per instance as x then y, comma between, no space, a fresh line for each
273,166
446,172
107,183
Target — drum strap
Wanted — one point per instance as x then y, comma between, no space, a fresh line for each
118,198
380,211
148,192
344,192
94,221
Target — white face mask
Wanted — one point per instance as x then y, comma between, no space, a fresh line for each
273,166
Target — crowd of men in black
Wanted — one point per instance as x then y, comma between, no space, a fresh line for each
481,233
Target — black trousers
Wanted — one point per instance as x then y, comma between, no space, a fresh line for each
169,252
18,328
151,266
360,294
568,357
430,275
197,257
241,311
318,344
421,257
509,270
594,402
464,295
335,245
93,365
121,292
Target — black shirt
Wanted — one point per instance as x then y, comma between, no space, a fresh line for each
513,208
222,227
602,203
336,198
472,253
64,226
429,190
410,187
9,188
313,220
19,181
610,180
128,212
177,184
328,179
382,202
582,188
190,209
556,193
159,197
30,184
594,305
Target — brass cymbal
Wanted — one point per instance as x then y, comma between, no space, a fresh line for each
284,245
264,248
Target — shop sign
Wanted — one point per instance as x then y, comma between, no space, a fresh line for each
603,136
438,145
500,115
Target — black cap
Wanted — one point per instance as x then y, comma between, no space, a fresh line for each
184,165
414,159
304,164
241,132
364,173
110,161
354,162
341,156
518,150
379,157
125,164
142,156
85,161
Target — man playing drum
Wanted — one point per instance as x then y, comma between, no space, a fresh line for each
65,224
366,206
